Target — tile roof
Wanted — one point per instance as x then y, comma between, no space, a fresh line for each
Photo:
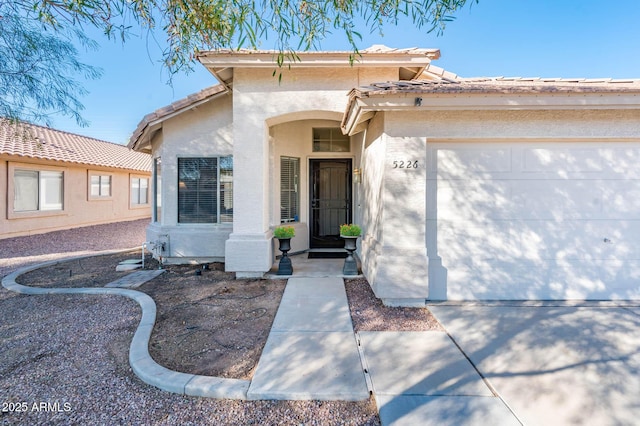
450,83
57,145
173,108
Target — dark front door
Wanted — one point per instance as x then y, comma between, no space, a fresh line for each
330,201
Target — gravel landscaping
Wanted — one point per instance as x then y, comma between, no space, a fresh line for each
64,358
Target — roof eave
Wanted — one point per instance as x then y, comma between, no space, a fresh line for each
152,123
410,62
362,107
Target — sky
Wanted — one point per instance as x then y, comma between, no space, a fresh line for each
524,38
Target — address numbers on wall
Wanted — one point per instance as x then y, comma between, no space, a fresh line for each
409,164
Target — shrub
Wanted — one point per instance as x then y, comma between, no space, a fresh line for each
350,230
284,232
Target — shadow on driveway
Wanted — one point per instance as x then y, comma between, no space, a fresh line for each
555,364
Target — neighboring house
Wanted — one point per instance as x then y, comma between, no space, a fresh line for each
466,188
54,180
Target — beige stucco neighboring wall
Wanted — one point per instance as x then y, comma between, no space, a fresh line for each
79,208
204,131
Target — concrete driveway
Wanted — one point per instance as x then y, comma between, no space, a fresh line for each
553,364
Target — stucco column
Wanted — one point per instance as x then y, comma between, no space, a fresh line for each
248,251
401,277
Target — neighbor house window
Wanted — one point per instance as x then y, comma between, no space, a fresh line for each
289,189
139,191
329,139
205,190
157,190
100,186
36,190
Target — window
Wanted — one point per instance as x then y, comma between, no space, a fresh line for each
100,186
205,190
37,190
157,190
289,195
330,140
139,191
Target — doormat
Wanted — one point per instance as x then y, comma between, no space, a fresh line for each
327,255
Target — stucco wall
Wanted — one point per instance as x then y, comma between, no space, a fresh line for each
295,139
79,208
514,124
577,137
204,131
261,101
393,247
371,194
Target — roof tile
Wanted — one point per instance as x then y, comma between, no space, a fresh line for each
32,141
174,107
500,84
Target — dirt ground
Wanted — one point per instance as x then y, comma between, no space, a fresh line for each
211,324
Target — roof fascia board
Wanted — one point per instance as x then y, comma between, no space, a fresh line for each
356,122
313,60
498,101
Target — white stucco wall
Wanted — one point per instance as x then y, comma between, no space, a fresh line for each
260,102
295,139
587,187
204,131
393,248
371,194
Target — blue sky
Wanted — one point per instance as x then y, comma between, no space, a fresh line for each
533,38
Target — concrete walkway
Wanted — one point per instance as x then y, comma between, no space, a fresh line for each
311,352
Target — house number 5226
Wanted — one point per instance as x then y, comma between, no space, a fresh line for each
411,164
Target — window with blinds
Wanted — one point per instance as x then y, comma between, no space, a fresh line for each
289,189
205,190
157,190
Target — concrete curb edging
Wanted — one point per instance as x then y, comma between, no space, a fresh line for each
140,360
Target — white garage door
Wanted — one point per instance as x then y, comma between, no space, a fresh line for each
534,220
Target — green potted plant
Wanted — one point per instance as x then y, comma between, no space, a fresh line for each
284,234
350,230
350,234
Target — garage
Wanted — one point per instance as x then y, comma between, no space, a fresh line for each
542,220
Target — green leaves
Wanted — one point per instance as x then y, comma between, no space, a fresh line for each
36,35
39,72
286,231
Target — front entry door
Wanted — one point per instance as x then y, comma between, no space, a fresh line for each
330,201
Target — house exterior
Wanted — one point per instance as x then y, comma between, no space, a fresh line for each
53,180
466,188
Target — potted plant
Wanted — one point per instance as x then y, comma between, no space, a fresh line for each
284,235
350,234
